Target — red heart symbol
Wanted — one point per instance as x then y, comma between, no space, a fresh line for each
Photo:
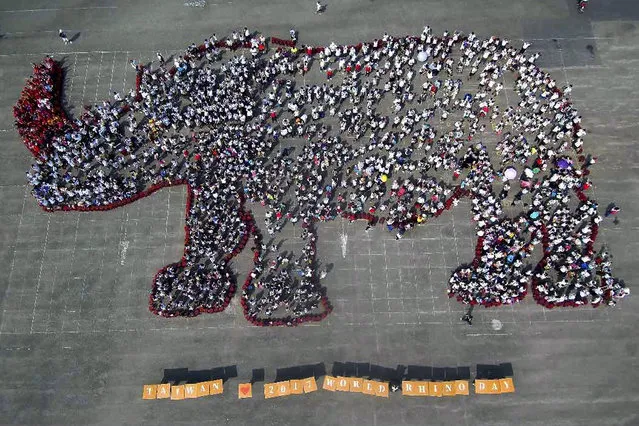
245,389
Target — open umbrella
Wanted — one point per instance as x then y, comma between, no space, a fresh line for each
563,163
510,173
422,56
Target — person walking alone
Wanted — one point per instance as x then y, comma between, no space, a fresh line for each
468,316
64,37
612,210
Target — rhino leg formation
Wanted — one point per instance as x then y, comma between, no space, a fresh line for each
203,280
286,290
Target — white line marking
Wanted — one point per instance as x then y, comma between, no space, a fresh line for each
126,62
112,72
125,247
86,74
37,291
56,9
488,334
166,223
75,243
97,84
15,250
18,348
68,94
344,242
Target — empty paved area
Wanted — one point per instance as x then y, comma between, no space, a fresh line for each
77,341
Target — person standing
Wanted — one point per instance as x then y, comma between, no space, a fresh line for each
319,8
581,5
612,210
468,316
64,37
329,73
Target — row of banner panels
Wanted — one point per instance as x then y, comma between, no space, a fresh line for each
331,384
178,392
457,387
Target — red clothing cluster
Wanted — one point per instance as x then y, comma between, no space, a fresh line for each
38,113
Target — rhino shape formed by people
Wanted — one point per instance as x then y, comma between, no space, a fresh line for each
394,132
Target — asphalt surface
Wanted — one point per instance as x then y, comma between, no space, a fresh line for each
77,341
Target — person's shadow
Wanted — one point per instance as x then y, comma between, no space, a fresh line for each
75,37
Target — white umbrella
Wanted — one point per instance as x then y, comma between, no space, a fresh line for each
422,56
510,173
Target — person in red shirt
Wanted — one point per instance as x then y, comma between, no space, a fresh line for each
612,210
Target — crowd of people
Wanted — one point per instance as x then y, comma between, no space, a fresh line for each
38,113
392,131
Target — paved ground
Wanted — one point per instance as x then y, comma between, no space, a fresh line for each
77,341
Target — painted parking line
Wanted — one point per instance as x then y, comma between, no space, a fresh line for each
65,9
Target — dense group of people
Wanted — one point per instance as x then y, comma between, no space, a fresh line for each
38,113
393,131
